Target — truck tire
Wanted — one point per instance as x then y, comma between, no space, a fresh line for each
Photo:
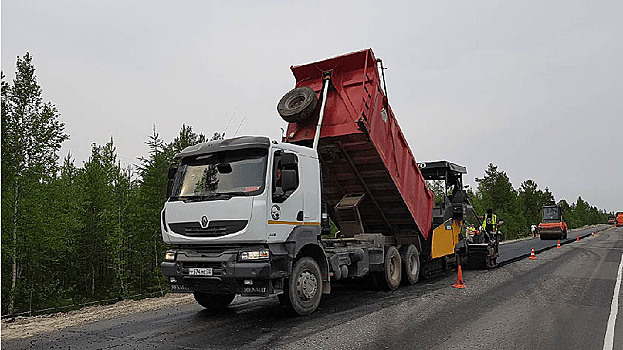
390,277
303,290
214,301
297,105
410,265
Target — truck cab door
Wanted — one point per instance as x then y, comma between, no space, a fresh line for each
286,196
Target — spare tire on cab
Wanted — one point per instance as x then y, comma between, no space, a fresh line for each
297,105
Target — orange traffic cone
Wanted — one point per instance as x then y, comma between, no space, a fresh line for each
578,239
532,255
459,280
592,234
558,245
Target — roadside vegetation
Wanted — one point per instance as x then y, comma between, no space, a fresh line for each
79,234
519,208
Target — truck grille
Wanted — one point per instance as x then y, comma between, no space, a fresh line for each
215,228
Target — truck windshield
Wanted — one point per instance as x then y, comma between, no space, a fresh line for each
221,175
551,214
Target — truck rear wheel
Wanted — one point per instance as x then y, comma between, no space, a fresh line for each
297,104
410,265
214,301
304,288
390,277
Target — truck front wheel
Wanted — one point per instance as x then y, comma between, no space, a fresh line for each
390,277
304,288
214,301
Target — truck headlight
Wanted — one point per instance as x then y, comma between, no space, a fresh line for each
255,255
169,256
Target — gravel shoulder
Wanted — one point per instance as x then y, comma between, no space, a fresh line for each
23,327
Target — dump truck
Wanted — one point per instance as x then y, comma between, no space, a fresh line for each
552,225
253,216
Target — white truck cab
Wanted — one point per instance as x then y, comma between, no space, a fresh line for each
231,192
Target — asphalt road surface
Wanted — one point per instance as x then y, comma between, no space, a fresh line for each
512,251
562,300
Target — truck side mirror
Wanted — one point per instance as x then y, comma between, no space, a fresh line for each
288,180
170,177
288,160
171,174
224,168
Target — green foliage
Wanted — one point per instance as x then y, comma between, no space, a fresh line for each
31,138
496,192
438,188
521,208
76,234
532,199
582,213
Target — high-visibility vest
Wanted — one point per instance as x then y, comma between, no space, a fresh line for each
493,220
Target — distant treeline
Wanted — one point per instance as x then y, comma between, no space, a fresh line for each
77,234
520,208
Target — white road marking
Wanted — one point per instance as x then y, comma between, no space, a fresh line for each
614,308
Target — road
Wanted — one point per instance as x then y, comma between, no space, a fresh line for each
512,251
562,300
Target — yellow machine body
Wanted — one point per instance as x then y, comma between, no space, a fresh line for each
445,238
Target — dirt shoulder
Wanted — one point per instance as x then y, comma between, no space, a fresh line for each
23,327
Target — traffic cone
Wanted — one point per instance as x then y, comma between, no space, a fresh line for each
578,239
592,234
558,245
459,280
532,255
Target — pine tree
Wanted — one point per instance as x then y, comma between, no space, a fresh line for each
31,138
496,192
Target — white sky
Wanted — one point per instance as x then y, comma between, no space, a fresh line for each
534,87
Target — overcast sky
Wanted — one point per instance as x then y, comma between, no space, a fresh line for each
533,86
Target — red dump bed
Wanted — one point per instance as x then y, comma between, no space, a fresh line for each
361,147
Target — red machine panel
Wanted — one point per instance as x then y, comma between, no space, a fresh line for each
362,148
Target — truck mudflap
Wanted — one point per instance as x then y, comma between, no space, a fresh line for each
223,272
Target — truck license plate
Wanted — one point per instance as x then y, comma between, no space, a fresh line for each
200,271
179,288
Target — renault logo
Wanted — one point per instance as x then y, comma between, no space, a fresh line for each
275,212
204,221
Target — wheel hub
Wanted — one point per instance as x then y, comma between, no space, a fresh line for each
414,264
306,285
393,264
